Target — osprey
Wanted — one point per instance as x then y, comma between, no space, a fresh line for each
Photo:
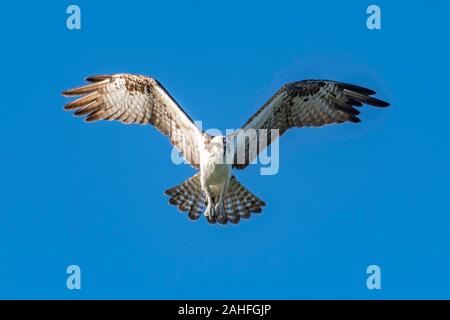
214,190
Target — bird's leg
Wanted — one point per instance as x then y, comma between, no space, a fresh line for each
209,207
220,210
220,206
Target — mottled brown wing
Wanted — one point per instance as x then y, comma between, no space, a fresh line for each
309,103
137,99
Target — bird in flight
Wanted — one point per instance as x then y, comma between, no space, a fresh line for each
214,190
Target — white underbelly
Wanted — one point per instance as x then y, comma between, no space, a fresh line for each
216,174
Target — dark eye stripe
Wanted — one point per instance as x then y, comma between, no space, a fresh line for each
224,142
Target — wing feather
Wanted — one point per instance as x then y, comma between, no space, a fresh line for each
137,99
308,103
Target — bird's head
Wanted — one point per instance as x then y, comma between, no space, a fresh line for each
217,142
214,143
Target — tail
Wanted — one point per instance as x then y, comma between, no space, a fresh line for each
189,197
238,202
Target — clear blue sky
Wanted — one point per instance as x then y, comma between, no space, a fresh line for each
346,196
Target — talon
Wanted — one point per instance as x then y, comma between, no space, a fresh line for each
220,211
207,212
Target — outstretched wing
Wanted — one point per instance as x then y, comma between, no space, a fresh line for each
137,99
309,103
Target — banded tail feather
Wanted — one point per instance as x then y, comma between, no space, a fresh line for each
188,197
238,202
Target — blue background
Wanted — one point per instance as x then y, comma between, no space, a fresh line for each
345,197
